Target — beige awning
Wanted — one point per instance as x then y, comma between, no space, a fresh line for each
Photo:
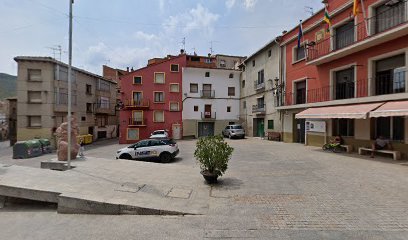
389,109
356,111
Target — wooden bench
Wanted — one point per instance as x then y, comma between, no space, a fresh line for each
396,155
275,136
349,148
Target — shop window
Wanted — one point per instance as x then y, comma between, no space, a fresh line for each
390,128
343,127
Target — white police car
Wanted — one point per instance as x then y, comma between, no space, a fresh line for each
163,149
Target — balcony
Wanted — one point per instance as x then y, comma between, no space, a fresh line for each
259,108
137,104
385,26
137,122
208,115
103,109
258,86
207,93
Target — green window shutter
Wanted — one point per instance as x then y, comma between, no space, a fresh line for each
270,124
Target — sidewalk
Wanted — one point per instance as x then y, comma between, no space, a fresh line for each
111,187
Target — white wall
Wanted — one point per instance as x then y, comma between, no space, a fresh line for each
220,81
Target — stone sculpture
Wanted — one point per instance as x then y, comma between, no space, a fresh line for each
62,140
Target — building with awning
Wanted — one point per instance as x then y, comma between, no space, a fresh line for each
349,78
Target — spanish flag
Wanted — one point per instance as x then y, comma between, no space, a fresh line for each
326,18
356,8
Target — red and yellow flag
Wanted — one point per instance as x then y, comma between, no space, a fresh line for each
356,7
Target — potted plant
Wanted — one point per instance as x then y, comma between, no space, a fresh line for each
212,154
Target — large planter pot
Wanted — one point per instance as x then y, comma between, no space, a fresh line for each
209,177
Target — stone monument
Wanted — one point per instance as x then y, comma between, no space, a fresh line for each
62,140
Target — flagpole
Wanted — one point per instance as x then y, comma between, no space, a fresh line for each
365,17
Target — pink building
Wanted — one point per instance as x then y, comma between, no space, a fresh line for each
152,99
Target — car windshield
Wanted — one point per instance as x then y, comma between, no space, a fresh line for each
168,141
236,127
158,132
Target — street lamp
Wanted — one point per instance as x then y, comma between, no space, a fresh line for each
278,90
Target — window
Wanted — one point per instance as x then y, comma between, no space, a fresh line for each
174,67
260,82
61,74
228,109
244,104
195,59
137,80
243,83
208,60
88,89
269,53
207,74
132,134
103,85
253,63
231,75
174,106
83,119
34,121
343,127
34,96
158,97
390,75
193,87
159,78
174,87
300,88
88,107
388,16
158,116
137,118
231,91
344,35
61,96
231,123
270,124
195,108
207,92
299,53
344,84
34,75
137,98
103,102
223,64
390,127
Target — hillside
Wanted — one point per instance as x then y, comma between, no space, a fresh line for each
7,85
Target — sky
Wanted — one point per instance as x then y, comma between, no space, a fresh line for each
126,33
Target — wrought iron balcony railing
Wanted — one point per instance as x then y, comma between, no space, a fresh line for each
207,93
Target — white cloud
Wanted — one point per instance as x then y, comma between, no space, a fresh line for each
249,4
145,36
198,18
230,3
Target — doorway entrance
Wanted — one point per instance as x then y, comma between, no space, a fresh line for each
205,129
259,129
300,130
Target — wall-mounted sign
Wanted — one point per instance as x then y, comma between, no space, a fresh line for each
316,126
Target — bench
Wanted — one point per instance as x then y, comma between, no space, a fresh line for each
349,148
396,155
275,136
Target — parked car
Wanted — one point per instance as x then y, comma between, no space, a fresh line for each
159,134
232,131
163,149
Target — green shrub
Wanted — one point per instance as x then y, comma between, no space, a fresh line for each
212,154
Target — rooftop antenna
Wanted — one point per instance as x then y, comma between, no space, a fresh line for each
309,10
56,49
194,52
183,43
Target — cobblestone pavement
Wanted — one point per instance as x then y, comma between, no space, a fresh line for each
276,190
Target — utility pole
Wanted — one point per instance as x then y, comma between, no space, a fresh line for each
69,82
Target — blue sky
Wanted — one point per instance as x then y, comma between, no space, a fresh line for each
124,33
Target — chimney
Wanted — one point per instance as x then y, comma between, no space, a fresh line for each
284,32
181,51
127,69
131,69
209,55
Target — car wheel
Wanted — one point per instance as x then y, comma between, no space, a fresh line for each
165,157
125,156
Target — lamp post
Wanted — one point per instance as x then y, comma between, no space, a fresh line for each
278,91
69,83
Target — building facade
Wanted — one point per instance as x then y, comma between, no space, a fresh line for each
42,99
349,78
210,100
152,99
259,81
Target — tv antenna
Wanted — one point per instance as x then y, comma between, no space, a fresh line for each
309,10
56,50
183,43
